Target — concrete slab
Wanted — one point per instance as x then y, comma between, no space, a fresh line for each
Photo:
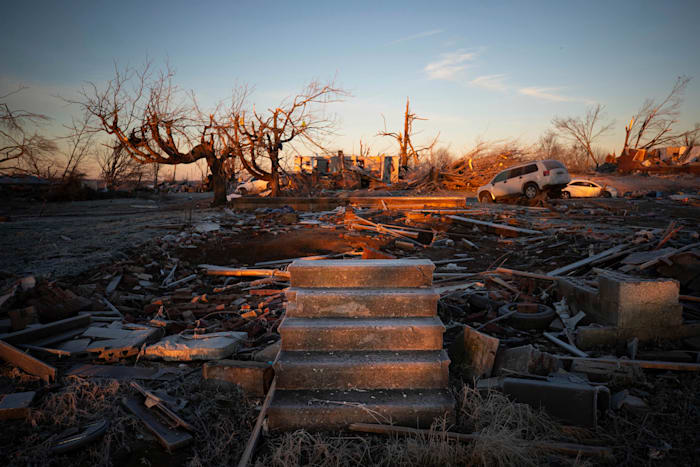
362,303
254,378
362,370
368,273
361,334
205,347
333,410
474,353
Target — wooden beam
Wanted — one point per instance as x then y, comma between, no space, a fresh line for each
255,434
507,230
564,448
35,333
26,362
583,262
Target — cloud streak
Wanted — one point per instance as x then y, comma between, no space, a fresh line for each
449,65
550,94
493,82
417,36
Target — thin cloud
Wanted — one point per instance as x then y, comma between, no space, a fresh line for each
550,94
494,82
449,65
417,36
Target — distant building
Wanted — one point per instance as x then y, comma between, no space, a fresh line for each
382,167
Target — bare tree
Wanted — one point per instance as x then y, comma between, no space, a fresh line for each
258,138
117,166
548,146
20,149
653,125
584,130
406,148
157,123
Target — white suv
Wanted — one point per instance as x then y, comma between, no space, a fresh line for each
527,179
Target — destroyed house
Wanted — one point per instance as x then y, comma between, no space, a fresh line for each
382,167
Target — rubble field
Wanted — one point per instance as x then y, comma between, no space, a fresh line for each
147,332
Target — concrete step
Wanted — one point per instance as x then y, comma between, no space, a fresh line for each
374,273
332,410
332,334
362,303
362,370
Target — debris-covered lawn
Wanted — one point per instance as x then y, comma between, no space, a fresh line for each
588,300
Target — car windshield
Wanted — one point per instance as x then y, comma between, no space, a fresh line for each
553,165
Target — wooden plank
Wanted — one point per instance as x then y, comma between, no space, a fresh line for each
255,434
498,228
647,364
583,262
168,438
224,271
514,272
26,362
34,333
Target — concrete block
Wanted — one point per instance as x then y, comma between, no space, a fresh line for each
361,334
254,378
352,273
213,346
525,360
269,353
15,405
362,303
574,402
333,410
362,370
631,302
580,297
474,353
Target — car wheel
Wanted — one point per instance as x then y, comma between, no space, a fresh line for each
531,190
606,194
243,191
565,194
485,197
524,321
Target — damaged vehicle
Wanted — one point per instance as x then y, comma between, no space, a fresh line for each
581,188
526,179
252,187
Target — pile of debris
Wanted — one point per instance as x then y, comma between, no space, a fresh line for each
561,307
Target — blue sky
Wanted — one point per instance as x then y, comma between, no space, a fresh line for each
487,70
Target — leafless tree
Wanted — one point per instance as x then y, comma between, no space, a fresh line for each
156,122
584,130
406,148
653,125
20,149
548,146
117,166
259,137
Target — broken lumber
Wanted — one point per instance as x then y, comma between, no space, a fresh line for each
224,271
34,333
168,438
255,434
564,448
514,272
502,229
646,364
583,262
26,362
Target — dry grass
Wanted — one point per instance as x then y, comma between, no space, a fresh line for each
505,429
222,422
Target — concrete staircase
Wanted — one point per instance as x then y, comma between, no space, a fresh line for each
361,342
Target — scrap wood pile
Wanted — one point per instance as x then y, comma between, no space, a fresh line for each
525,296
467,173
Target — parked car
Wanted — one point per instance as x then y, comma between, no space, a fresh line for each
252,187
528,179
582,188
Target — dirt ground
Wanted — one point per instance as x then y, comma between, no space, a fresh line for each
64,239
